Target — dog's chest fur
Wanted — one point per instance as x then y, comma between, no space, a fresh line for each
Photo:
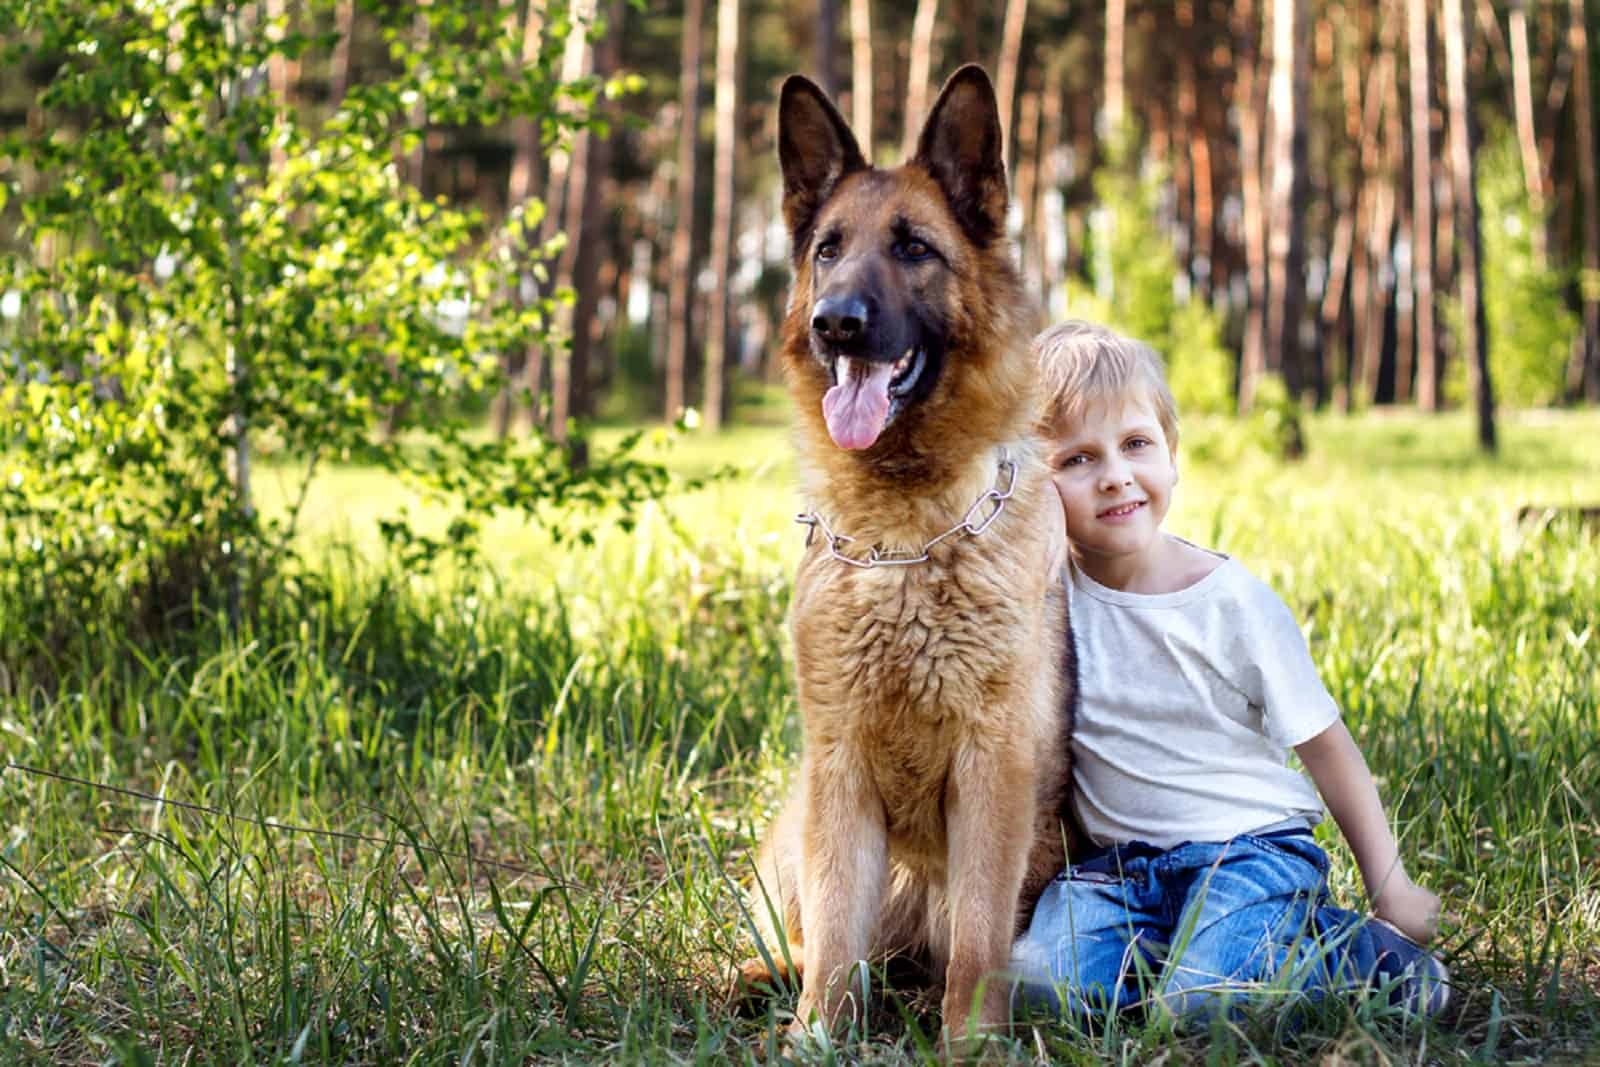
900,667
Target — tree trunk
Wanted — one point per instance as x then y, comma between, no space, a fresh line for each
569,270
1559,72
1286,236
281,76
1474,339
681,320
920,71
1427,345
524,182
417,118
1006,74
344,18
571,373
1248,103
1051,225
827,57
1185,164
861,75
523,185
1374,187
1026,163
1387,209
577,174
576,58
1584,370
1444,228
1116,35
1527,137
722,195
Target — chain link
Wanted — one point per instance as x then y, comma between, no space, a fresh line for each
971,525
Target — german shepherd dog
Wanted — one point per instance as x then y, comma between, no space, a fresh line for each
932,660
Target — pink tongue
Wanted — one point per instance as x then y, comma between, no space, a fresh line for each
857,407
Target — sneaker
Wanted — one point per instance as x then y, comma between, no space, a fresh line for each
1414,977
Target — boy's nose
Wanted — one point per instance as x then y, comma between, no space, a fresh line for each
1115,477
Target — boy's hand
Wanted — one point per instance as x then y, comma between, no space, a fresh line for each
1413,910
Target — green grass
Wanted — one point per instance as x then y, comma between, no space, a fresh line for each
619,722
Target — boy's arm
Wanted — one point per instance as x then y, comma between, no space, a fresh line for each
1346,785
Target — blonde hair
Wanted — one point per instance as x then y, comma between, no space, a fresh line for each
1084,364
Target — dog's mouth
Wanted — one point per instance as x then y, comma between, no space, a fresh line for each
906,370
867,395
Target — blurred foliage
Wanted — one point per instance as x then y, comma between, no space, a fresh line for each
1134,279
201,268
1531,328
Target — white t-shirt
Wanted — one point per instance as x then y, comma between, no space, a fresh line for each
1188,705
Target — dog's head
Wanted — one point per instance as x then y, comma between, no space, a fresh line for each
906,323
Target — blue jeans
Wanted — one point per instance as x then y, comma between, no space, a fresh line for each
1178,927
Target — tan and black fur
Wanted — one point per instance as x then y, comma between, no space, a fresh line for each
936,698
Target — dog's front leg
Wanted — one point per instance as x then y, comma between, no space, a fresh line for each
989,813
843,874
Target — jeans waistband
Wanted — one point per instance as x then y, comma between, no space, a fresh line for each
1108,858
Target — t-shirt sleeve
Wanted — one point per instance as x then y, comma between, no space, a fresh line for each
1278,675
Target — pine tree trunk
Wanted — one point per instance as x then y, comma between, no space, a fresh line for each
417,118
921,67
1422,266
1583,376
680,320
1373,186
1474,339
1006,74
570,322
522,186
344,19
1248,105
1116,78
1527,137
1050,226
1026,183
1388,201
722,194
281,78
827,45
573,174
861,75
1189,134
1286,236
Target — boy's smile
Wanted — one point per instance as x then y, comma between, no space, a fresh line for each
1120,511
1114,470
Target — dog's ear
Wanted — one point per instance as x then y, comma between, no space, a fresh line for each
815,150
960,147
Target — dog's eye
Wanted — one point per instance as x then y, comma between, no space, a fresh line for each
915,249
828,250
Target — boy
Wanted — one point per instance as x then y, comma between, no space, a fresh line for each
1195,681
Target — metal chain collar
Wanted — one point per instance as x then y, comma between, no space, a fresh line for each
969,525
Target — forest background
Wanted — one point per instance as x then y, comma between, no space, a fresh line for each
391,445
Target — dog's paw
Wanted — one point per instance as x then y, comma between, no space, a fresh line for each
752,981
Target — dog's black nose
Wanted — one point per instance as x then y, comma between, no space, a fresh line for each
840,319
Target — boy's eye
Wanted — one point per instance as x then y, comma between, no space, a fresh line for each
1077,459
1138,442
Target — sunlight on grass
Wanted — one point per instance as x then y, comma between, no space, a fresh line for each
618,721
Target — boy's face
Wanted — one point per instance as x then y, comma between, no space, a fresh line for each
1114,471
